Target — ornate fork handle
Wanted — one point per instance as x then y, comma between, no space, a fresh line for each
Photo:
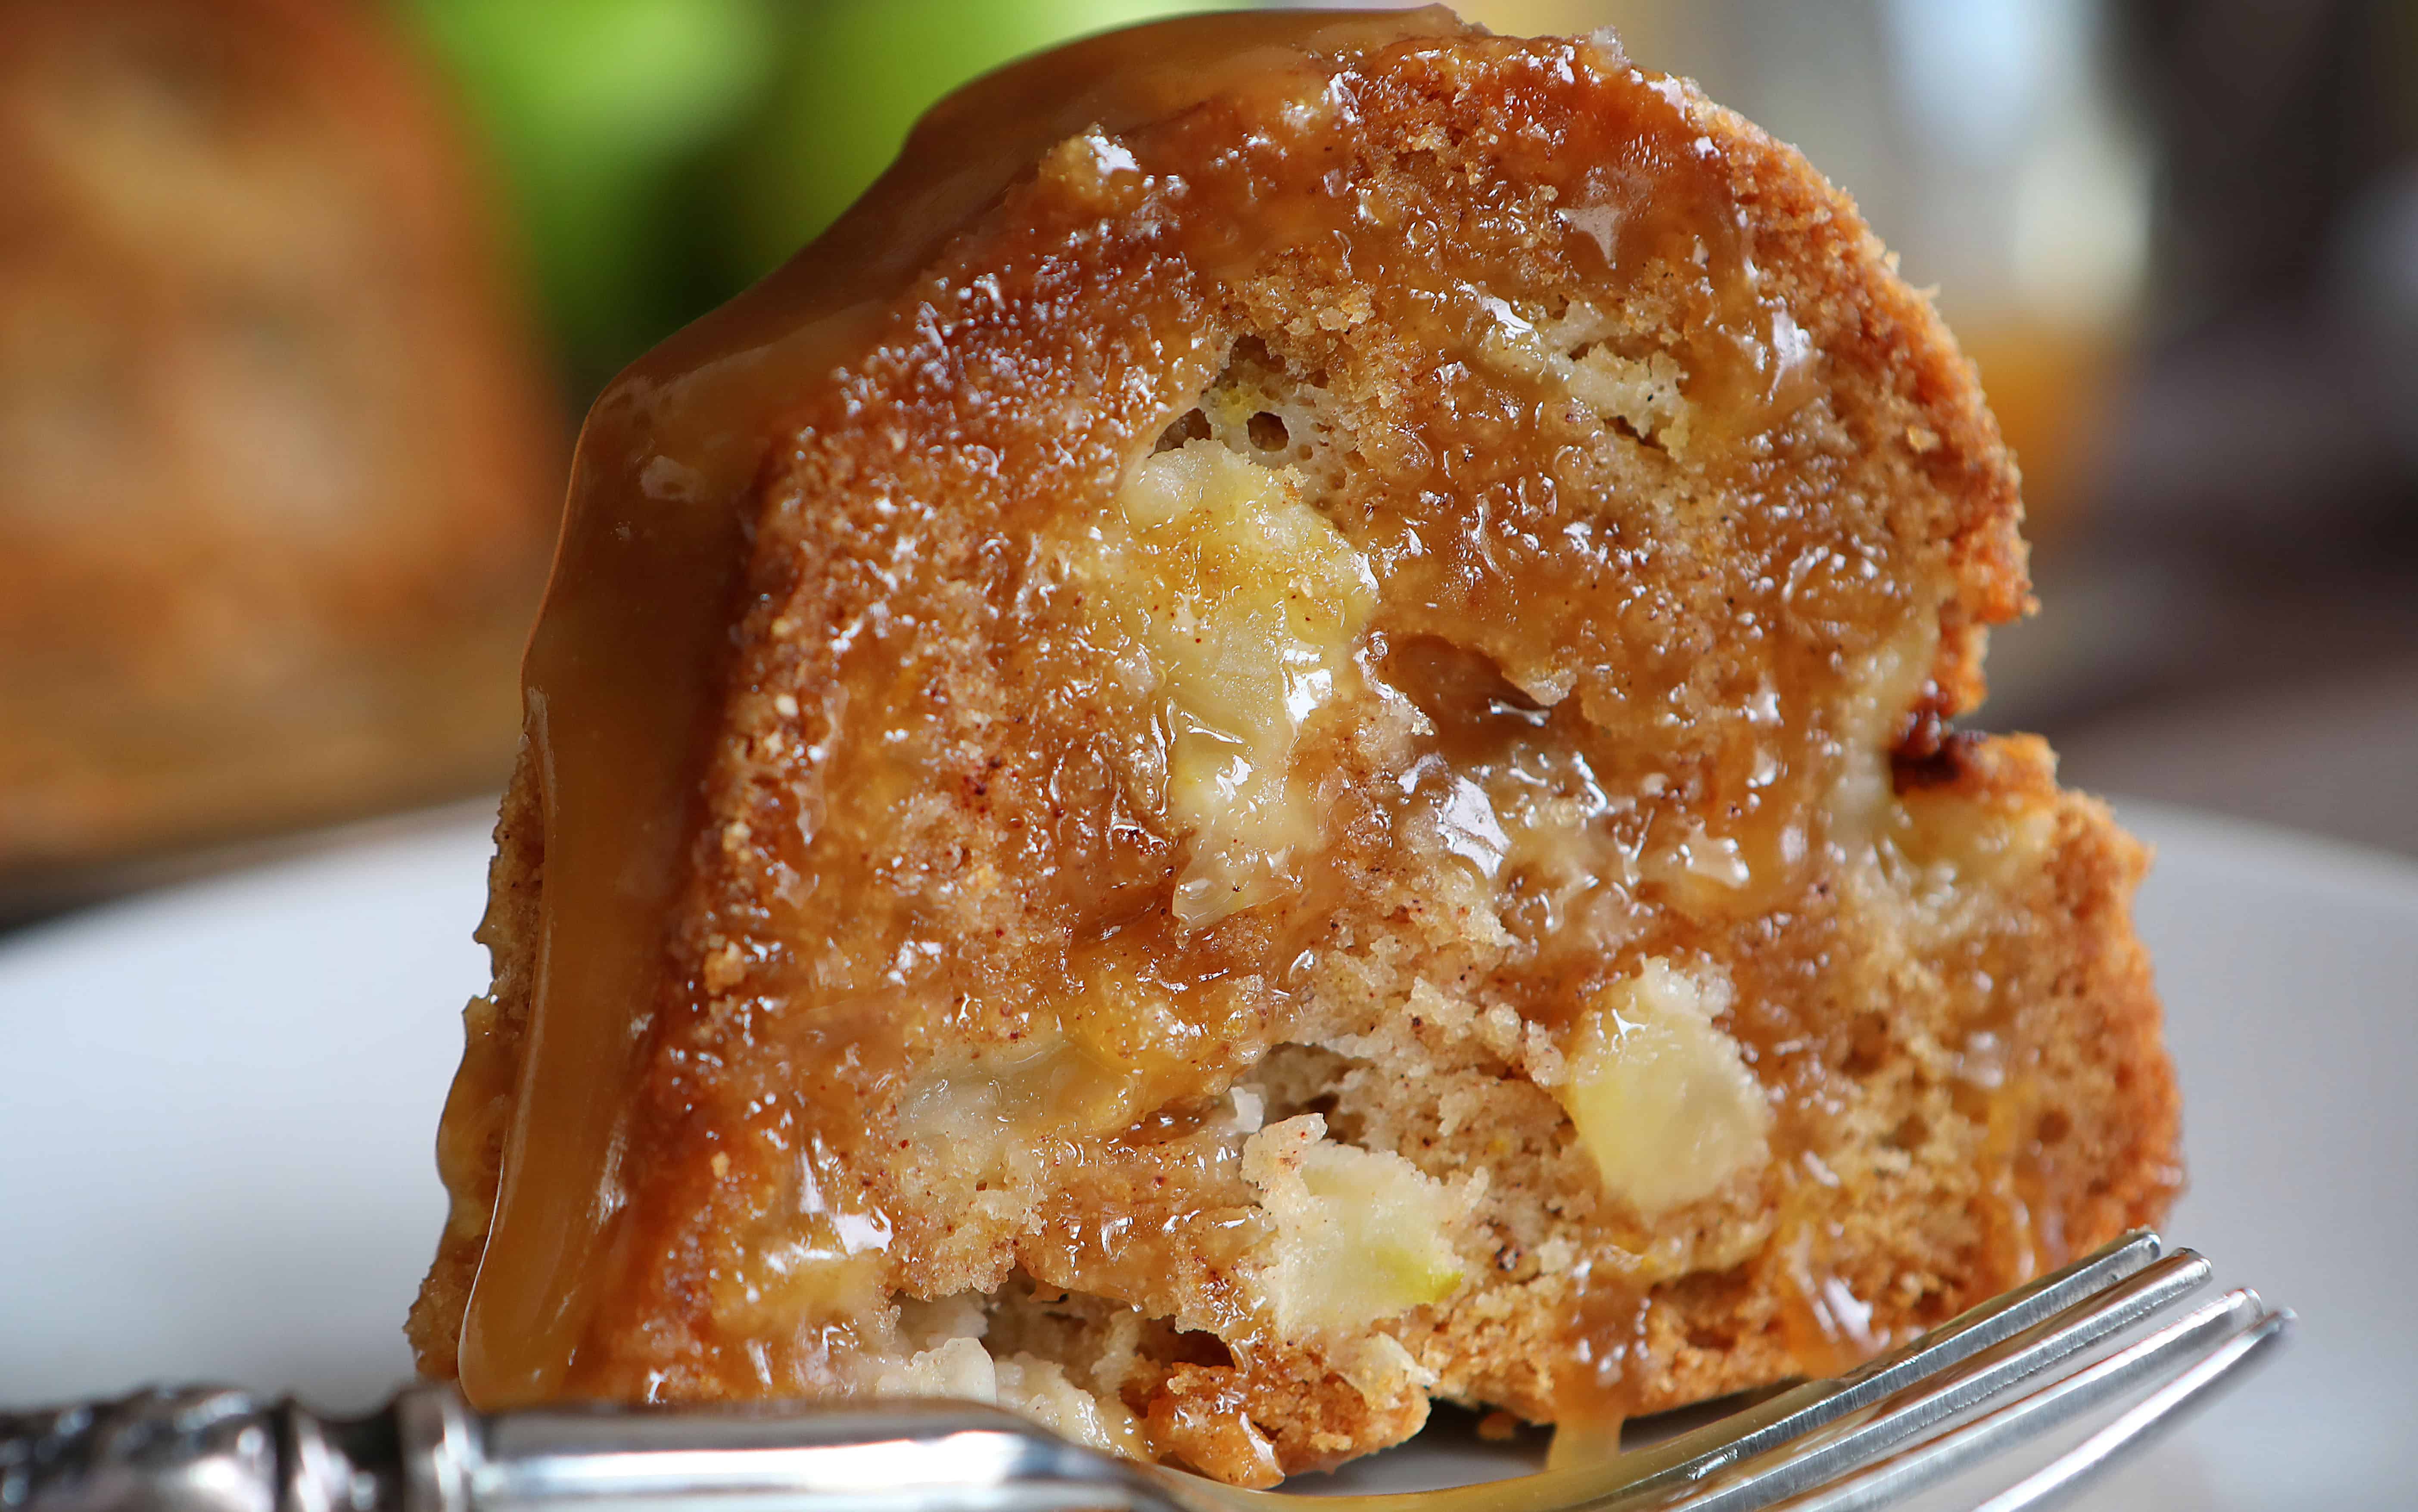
209,1449
195,1449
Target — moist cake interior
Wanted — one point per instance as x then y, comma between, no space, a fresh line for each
1275,745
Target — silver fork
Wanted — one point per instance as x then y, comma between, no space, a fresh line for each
2000,1375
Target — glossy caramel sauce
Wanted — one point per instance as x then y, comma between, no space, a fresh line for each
623,673
901,674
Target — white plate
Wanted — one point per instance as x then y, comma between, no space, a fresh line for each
215,1137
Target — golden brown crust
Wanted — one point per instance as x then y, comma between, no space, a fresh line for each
470,1138
281,461
923,844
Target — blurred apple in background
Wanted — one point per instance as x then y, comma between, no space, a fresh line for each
596,113
663,154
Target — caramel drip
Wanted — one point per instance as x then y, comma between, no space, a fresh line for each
1829,1329
1595,1385
623,674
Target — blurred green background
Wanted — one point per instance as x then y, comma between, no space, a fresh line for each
660,155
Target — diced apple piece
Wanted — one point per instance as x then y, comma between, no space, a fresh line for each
1361,1235
1661,1098
1245,602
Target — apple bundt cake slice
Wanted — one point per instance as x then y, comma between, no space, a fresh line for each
1272,744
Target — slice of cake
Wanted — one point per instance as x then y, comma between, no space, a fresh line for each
1270,744
279,462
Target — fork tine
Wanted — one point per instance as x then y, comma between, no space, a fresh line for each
1933,1400
2120,1284
2193,1354
2055,1483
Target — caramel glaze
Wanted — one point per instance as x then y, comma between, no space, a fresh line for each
625,671
1223,148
